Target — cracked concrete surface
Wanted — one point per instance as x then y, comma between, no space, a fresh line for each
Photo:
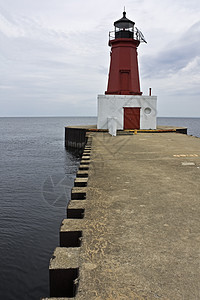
141,237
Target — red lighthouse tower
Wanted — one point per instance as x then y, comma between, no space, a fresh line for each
124,75
123,107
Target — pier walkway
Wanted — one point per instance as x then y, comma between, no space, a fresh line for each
141,225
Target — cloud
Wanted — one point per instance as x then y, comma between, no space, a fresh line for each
175,71
176,55
55,54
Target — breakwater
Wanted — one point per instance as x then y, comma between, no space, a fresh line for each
132,224
76,136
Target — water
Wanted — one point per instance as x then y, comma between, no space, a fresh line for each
193,124
35,169
32,154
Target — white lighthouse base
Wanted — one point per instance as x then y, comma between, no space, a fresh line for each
112,107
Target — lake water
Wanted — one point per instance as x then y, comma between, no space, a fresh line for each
193,124
36,176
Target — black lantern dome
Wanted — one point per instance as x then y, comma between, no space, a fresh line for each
124,28
124,22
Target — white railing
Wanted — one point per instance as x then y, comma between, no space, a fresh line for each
137,35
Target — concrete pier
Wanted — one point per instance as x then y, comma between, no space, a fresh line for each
137,223
63,272
76,137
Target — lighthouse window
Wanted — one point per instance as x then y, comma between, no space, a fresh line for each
147,110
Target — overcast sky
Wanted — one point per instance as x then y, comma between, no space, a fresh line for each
54,54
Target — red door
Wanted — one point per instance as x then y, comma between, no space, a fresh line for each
124,80
131,118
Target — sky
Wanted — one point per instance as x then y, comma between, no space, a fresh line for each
54,55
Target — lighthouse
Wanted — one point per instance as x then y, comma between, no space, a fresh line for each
124,74
123,106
